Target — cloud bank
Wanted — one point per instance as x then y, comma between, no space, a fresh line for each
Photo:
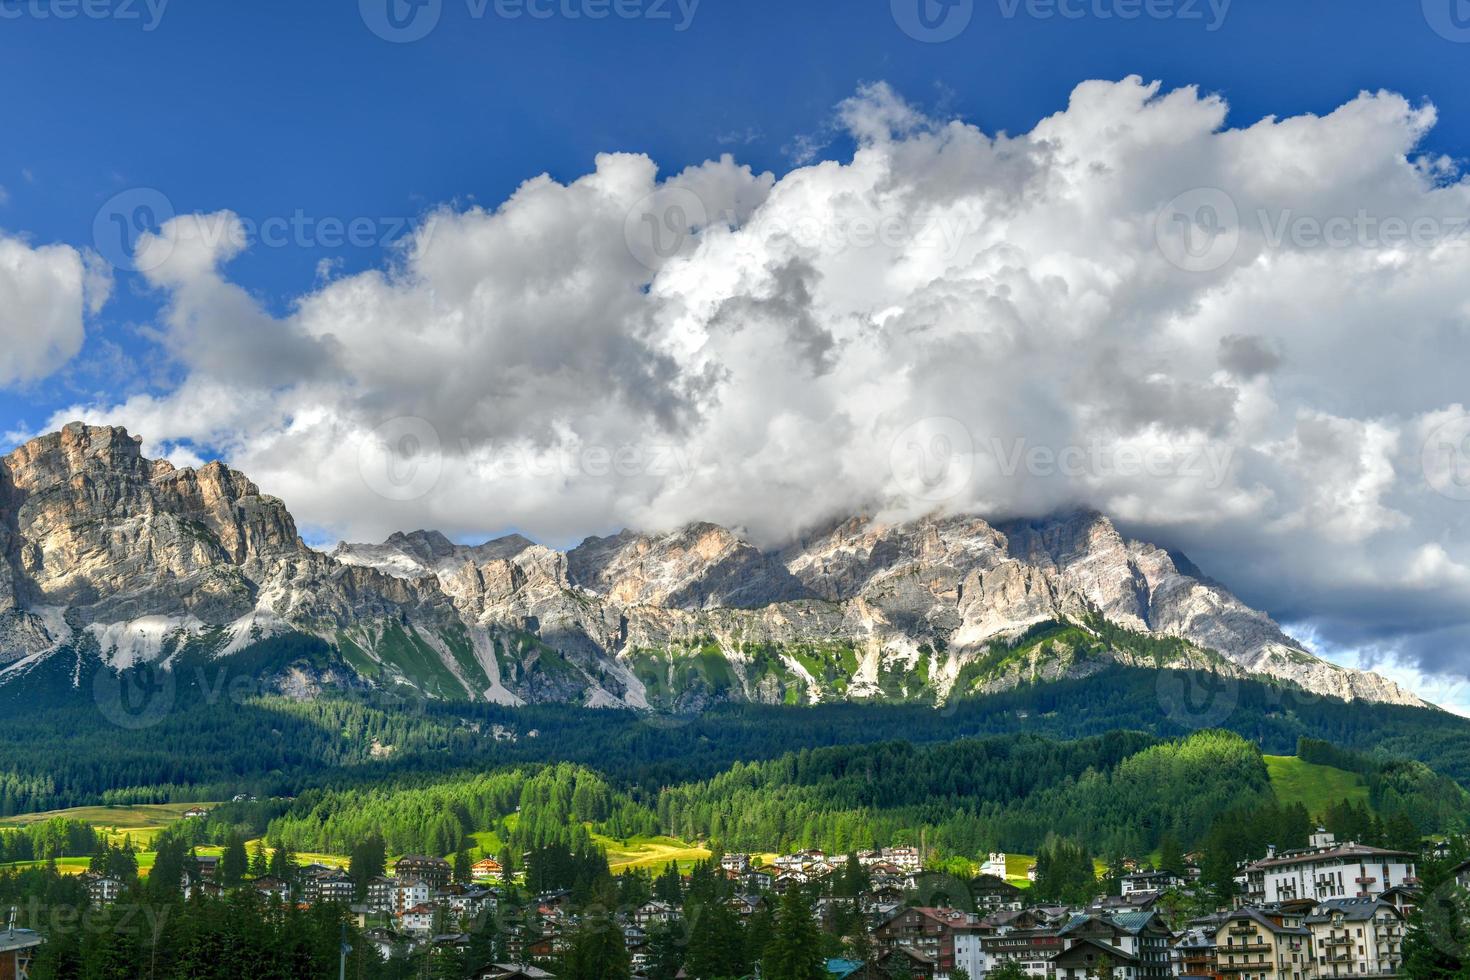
1246,342
45,292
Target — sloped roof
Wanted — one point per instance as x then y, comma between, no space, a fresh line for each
1265,923
1078,950
1340,852
1351,909
1130,922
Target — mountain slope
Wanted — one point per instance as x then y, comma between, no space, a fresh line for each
110,555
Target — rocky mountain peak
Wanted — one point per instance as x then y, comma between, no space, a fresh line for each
77,448
131,551
697,566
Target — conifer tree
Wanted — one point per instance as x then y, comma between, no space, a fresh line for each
795,951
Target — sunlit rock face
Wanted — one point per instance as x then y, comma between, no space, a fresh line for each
132,559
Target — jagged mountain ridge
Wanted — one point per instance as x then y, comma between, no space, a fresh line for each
109,554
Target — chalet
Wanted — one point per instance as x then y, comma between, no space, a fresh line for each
654,913
1088,958
904,962
1152,881
1022,938
1405,898
416,921
485,869
272,888
431,871
1136,944
1132,902
993,894
745,905
1194,951
195,812
467,903
801,859
928,931
511,971
735,863
901,859
454,942
886,890
1357,937
1262,945
905,858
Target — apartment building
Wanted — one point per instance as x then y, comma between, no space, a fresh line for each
1357,937
1251,944
1326,871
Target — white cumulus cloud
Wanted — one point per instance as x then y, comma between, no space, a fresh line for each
950,319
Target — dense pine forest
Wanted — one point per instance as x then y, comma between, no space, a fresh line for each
216,734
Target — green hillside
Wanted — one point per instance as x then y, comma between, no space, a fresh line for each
1316,787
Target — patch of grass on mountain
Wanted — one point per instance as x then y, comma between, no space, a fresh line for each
766,671
831,665
647,851
1314,786
668,674
708,667
419,663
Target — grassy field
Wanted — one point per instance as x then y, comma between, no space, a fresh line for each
1315,786
142,820
649,852
138,822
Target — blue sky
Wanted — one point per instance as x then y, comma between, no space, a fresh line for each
273,107
304,119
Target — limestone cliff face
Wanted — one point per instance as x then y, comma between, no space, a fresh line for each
104,549
111,535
